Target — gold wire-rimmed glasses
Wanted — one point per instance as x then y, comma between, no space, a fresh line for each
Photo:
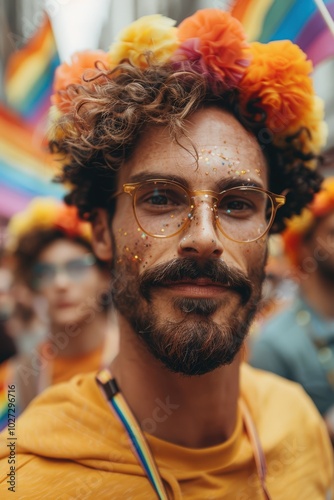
164,208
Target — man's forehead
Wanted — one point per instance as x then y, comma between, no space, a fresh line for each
209,135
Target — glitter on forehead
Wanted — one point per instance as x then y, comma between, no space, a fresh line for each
206,156
232,164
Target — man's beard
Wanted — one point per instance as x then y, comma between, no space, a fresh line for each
194,344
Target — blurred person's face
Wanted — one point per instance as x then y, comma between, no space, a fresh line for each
6,297
67,277
190,297
318,250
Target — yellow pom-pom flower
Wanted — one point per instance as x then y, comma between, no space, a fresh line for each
153,34
45,214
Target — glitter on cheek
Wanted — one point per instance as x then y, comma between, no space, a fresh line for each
133,245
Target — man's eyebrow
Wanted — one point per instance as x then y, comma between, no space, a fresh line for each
228,183
148,176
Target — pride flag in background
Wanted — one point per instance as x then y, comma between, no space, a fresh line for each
26,169
3,406
29,75
297,20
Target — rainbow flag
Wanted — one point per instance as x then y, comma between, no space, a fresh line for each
29,75
297,20
26,168
3,406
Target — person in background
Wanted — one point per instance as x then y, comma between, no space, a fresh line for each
26,324
7,344
298,343
278,287
52,254
166,148
8,348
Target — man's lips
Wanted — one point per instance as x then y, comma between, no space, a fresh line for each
201,287
188,277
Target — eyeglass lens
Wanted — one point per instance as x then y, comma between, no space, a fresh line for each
242,214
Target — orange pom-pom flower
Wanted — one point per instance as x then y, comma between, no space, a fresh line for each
84,65
213,43
279,78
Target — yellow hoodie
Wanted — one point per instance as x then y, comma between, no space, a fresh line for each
70,446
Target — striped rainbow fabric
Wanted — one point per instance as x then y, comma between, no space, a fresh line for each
29,75
3,406
297,20
141,448
25,169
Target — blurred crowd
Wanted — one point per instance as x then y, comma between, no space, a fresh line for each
293,335
55,310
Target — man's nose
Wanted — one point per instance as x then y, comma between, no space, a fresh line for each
201,237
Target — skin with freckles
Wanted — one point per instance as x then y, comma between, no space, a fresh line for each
185,302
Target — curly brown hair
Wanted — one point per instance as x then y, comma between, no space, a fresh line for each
107,116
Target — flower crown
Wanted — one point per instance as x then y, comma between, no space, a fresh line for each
275,77
298,226
43,214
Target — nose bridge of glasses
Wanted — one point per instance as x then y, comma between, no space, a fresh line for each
210,197
207,194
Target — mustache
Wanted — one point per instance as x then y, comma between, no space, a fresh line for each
176,270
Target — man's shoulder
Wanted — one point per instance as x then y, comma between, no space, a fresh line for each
269,387
278,405
290,427
68,411
82,386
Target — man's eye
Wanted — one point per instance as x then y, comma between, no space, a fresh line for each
163,198
237,205
158,199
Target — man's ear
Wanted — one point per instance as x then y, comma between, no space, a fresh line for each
101,241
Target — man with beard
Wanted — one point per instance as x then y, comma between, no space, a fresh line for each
298,343
180,150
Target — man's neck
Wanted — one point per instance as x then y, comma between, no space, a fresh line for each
83,338
195,412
